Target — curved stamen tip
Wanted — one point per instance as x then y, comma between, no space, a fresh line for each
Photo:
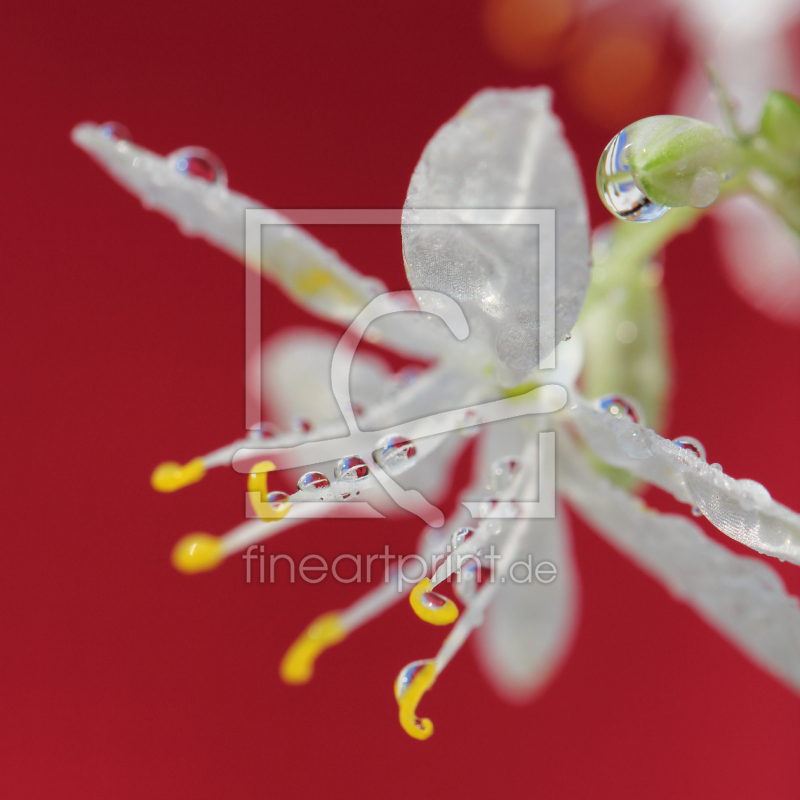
266,508
297,665
197,552
171,476
415,727
432,607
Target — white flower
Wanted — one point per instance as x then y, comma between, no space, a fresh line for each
505,150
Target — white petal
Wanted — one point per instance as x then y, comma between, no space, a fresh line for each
504,150
743,598
742,509
296,378
529,626
762,257
314,276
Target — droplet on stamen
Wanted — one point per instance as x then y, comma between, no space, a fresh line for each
312,482
350,468
394,453
460,536
407,675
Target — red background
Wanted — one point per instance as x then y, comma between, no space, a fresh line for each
122,347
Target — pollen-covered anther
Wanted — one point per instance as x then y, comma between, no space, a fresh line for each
297,665
171,476
267,507
408,694
197,552
432,607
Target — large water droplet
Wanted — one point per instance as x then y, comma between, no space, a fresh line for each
312,482
407,675
504,472
755,494
197,162
350,468
394,453
460,536
617,189
691,445
622,407
116,131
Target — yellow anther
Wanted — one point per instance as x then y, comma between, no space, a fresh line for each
432,607
258,493
171,476
197,552
297,665
415,727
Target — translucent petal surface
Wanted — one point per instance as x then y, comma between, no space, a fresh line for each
314,276
743,598
504,150
742,509
529,626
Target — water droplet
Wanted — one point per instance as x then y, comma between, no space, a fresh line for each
301,425
696,512
460,536
116,131
468,423
621,407
506,509
278,500
350,468
197,162
634,443
627,332
432,600
566,337
407,675
504,472
265,430
312,482
717,467
691,445
617,189
394,453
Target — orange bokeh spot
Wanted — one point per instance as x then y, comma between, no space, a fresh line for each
613,78
529,34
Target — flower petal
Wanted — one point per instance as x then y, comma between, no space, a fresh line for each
743,598
504,150
741,509
762,257
314,276
296,378
530,625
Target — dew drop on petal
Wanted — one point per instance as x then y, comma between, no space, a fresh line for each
696,512
394,453
691,445
116,131
301,425
504,472
460,536
312,482
705,188
197,162
622,407
617,189
755,494
278,500
407,675
350,468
